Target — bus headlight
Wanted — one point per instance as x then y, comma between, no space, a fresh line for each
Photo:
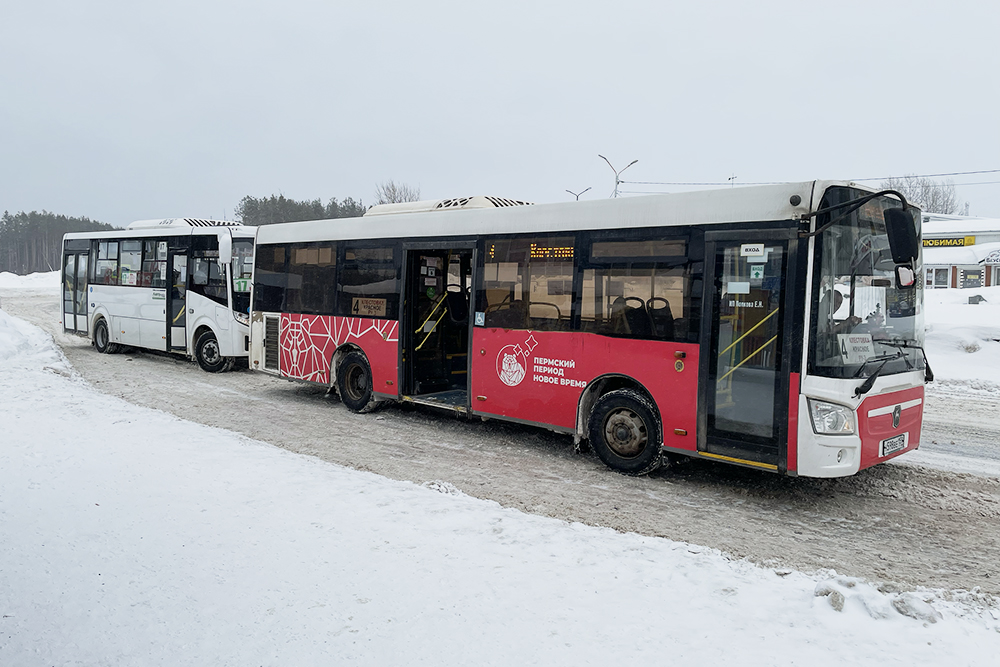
242,318
830,418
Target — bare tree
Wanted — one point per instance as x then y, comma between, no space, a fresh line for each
391,192
930,195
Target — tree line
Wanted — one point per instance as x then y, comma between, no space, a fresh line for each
32,242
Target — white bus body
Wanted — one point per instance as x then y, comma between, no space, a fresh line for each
176,285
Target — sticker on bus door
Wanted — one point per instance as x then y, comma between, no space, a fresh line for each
368,307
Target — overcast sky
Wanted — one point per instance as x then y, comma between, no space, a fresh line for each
129,110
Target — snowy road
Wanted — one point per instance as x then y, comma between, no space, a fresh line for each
911,524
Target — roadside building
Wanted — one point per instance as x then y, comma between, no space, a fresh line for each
961,251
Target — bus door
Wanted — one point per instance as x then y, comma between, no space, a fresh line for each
177,302
745,351
436,325
75,290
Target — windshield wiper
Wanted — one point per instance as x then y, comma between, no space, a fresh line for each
928,373
867,385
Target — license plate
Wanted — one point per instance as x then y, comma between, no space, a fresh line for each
893,444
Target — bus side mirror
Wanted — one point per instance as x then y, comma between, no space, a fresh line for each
902,233
225,247
905,276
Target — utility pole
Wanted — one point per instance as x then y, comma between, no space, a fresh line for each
618,173
576,194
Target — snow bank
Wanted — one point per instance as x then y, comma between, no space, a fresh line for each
44,281
129,536
963,339
23,346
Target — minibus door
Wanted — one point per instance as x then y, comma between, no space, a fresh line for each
177,302
75,291
745,352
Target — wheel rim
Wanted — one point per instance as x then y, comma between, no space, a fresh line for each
102,335
626,433
357,382
210,352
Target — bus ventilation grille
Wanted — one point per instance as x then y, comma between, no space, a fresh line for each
271,343
498,202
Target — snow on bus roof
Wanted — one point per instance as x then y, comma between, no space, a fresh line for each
739,204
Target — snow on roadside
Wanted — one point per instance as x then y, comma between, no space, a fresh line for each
41,281
963,339
128,536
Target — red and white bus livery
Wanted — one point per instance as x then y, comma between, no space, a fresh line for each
776,327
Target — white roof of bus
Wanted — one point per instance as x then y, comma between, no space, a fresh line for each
169,227
743,204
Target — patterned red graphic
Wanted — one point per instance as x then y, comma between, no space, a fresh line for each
307,343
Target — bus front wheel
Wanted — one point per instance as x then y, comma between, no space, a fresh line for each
624,432
354,381
209,354
102,338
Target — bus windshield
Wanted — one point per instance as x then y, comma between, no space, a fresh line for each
241,272
860,321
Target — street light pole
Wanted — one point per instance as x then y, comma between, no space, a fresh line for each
618,173
576,194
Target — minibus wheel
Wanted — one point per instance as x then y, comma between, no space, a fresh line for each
354,381
102,338
209,354
625,432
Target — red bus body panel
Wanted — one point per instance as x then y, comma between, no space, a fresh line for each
874,429
792,460
539,376
307,343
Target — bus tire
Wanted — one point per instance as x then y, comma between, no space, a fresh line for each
102,338
625,432
354,382
209,354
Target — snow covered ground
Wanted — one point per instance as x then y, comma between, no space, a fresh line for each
962,339
128,536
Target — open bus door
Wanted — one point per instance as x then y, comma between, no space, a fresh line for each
436,325
746,349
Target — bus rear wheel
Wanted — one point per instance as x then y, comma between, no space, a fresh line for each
625,433
354,381
102,338
209,354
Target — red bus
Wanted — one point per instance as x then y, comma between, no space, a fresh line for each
776,327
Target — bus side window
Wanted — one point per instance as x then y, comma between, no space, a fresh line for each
154,264
207,279
528,283
269,278
106,266
638,289
312,279
369,282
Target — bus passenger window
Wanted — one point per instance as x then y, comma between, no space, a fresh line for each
106,266
269,278
528,283
131,263
639,289
312,279
369,283
154,264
